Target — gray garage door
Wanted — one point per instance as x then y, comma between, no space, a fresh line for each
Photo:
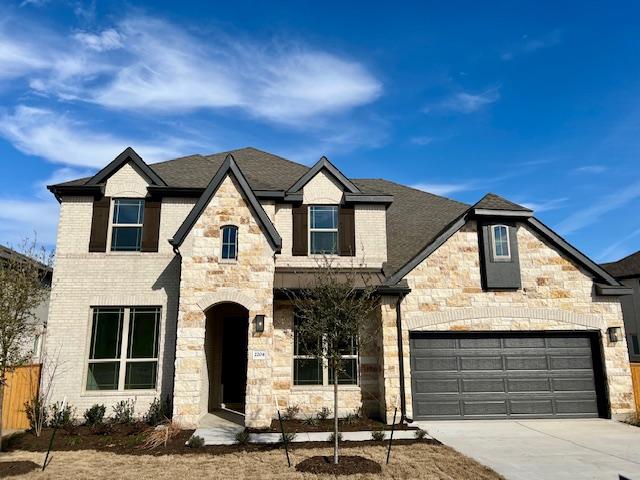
508,375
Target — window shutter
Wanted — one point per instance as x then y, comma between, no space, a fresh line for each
151,225
100,225
347,232
300,230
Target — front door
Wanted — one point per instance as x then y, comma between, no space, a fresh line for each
235,332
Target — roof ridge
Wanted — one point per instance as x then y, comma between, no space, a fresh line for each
177,158
415,189
260,151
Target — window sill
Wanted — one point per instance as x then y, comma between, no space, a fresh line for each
299,388
228,261
120,393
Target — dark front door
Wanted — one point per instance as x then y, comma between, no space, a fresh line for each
504,375
235,332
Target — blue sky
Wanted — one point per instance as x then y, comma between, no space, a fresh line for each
538,103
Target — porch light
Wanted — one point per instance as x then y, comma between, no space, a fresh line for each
259,323
615,334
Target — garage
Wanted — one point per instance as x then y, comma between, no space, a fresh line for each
505,375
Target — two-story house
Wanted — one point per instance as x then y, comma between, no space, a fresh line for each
171,279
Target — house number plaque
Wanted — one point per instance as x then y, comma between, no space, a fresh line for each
259,355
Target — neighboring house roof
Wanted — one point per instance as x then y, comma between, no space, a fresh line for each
628,266
417,222
9,254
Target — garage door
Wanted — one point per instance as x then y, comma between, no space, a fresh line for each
507,375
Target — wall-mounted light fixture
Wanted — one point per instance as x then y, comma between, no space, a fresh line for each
615,334
259,323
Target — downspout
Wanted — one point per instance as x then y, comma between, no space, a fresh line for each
403,400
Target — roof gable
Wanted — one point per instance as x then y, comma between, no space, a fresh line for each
628,266
128,155
492,204
325,164
228,167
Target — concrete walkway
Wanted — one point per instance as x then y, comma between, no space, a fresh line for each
546,449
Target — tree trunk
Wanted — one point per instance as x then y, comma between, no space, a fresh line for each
1,401
335,414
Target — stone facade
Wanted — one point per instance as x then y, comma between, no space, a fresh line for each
207,281
446,294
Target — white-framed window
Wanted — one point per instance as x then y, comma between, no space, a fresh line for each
500,242
126,225
323,229
229,243
123,349
310,370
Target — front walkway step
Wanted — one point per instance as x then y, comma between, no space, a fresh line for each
217,436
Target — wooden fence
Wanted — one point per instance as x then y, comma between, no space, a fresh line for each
22,385
635,376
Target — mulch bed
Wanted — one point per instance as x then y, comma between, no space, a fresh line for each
347,465
127,440
354,425
13,469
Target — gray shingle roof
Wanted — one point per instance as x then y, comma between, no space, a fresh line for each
626,267
491,201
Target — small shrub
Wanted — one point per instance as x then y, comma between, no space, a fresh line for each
242,437
311,420
61,417
332,437
123,411
420,434
104,428
351,419
197,441
95,415
324,413
291,412
378,435
157,413
288,436
37,414
160,435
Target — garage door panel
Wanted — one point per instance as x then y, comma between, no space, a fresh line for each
501,375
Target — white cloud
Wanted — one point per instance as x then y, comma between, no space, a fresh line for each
592,213
422,140
145,63
445,188
465,102
529,45
619,249
59,139
591,169
545,206
21,218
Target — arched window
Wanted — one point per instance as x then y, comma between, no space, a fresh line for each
229,242
500,240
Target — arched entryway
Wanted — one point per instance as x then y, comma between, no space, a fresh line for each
226,342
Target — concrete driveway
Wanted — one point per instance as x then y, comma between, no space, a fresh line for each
546,449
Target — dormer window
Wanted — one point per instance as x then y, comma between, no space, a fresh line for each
323,230
500,242
126,229
229,243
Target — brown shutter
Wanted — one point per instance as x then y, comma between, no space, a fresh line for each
300,230
151,225
100,225
347,232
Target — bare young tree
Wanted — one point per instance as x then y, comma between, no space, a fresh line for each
22,290
335,321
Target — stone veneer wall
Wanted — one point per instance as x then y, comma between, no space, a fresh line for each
206,281
311,399
446,294
82,280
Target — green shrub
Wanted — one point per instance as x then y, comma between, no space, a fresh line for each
95,415
420,434
157,413
351,419
324,413
123,411
332,437
61,417
195,442
291,412
288,436
378,435
243,437
311,420
36,413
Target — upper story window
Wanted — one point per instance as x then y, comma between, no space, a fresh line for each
500,242
126,229
123,351
323,230
229,243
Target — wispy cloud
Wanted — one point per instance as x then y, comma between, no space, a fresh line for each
132,66
618,249
592,213
22,217
591,169
465,102
422,140
60,139
446,188
545,206
528,44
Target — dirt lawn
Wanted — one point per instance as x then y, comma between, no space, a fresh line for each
417,461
